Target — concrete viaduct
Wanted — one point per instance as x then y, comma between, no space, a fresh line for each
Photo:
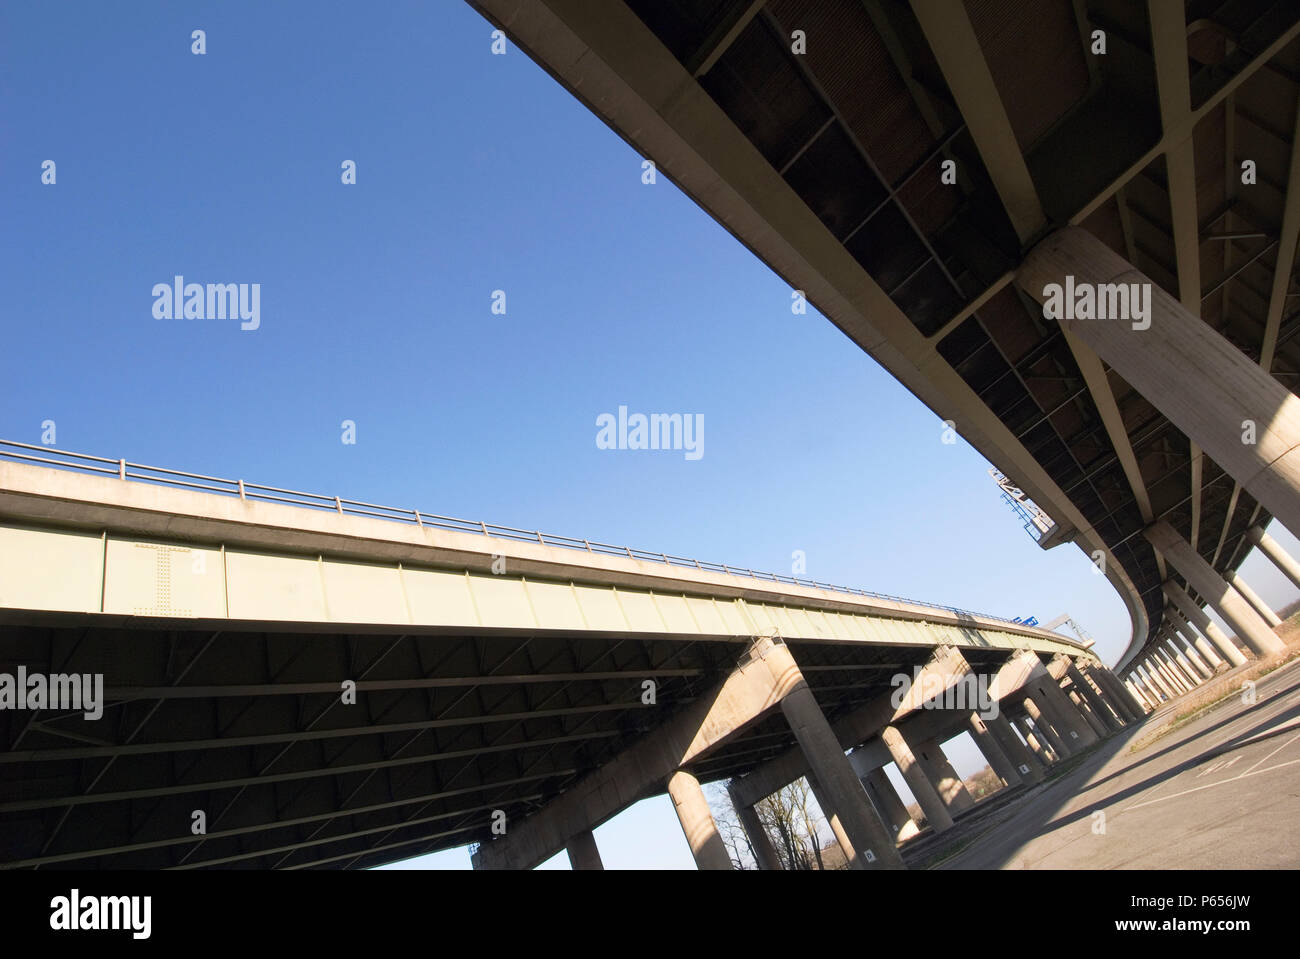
924,171
494,672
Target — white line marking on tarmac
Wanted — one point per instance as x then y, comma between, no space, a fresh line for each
1195,789
1249,772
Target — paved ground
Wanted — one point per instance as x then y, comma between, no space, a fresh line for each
1220,792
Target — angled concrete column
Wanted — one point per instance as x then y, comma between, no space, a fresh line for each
1149,699
992,751
1193,657
1054,733
927,796
697,822
1239,614
952,790
1119,694
1026,765
1276,554
1208,628
1180,672
826,806
1062,713
1113,720
1188,659
1184,672
1171,673
1203,383
1255,600
1177,659
1141,696
759,841
1153,689
583,853
889,804
871,844
1155,672
1040,749
1190,632
1099,728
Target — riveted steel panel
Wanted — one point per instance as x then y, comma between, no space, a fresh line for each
147,578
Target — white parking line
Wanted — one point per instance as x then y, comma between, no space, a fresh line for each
1252,771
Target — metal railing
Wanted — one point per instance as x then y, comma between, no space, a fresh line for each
126,470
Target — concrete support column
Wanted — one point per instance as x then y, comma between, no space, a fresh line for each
889,804
1208,628
1039,748
1276,554
1062,713
1200,575
697,822
1179,662
1120,694
992,751
1099,728
1141,696
1156,675
871,844
1189,632
1053,734
759,841
1021,755
951,788
1149,684
1181,672
1171,673
1188,659
1202,382
1112,717
927,796
1252,597
583,853
1149,699
1194,658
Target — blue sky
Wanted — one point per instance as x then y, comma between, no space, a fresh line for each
475,173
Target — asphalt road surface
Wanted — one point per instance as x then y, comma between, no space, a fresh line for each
1221,792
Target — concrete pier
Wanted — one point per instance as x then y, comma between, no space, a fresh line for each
693,813
583,853
1249,626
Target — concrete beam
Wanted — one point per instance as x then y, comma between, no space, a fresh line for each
951,36
1192,374
746,695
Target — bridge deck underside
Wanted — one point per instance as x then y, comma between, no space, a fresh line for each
858,122
251,729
